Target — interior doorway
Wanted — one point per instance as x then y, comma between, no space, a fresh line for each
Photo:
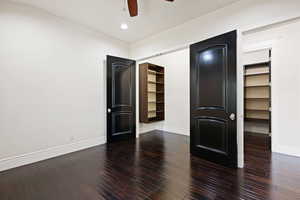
257,99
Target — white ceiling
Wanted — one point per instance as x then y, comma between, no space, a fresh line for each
107,15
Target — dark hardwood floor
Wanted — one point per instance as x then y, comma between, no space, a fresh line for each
157,166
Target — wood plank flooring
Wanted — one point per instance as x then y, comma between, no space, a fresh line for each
156,166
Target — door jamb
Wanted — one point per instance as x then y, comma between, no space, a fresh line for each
240,100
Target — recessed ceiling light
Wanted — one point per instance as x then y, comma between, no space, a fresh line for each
124,26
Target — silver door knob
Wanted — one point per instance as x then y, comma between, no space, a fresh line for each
232,116
109,110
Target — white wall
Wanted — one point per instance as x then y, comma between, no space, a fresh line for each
52,83
285,82
243,15
177,94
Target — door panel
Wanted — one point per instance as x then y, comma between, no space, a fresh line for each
212,135
213,75
213,99
121,123
121,80
120,99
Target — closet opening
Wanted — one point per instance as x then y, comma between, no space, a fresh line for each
257,101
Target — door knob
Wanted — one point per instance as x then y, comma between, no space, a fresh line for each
232,116
108,110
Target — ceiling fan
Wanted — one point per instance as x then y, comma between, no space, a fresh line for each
133,7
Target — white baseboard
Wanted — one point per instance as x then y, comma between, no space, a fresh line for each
177,132
25,159
290,151
143,132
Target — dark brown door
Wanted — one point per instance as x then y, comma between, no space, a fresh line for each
120,99
213,99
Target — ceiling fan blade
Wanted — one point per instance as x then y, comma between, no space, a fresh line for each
133,7
170,0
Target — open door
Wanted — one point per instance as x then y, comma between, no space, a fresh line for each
120,99
213,99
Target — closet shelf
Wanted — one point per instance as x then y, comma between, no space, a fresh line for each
154,72
157,111
157,102
257,120
153,82
257,74
157,92
258,110
255,86
258,64
263,98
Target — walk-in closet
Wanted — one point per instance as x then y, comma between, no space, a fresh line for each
257,97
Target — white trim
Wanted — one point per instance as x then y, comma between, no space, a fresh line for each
145,132
173,131
165,130
290,151
240,102
267,45
25,159
265,26
164,52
